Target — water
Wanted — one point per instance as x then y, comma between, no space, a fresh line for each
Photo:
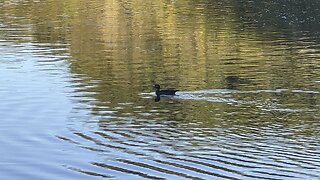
77,100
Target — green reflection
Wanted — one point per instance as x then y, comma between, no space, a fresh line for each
120,48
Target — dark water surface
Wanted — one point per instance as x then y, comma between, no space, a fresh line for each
76,82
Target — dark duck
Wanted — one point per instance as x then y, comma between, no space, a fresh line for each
167,92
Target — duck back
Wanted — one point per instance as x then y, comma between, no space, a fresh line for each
167,92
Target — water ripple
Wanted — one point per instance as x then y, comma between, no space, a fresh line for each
224,158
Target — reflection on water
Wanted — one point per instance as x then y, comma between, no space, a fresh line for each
77,89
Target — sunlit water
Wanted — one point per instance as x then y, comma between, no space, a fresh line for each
77,100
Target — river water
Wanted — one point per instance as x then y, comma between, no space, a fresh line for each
77,98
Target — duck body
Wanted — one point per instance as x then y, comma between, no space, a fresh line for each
167,92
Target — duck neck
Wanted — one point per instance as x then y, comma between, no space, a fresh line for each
157,92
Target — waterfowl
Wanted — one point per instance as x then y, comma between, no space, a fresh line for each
159,92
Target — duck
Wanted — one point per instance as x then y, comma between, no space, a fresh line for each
170,92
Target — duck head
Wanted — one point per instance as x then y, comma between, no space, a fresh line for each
157,87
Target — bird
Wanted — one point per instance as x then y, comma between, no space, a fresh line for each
159,92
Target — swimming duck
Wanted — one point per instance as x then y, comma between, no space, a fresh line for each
164,92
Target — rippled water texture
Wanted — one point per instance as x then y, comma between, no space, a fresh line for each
77,98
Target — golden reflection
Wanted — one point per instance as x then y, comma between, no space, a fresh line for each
128,45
